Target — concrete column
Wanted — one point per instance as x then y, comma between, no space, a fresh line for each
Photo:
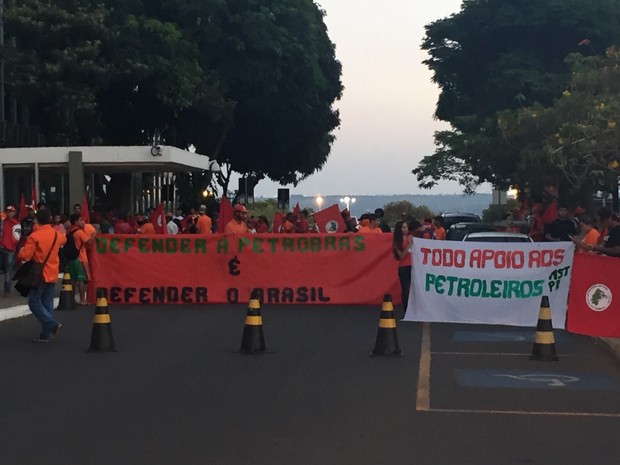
37,187
2,205
76,179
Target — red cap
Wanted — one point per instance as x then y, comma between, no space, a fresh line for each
10,208
579,211
240,208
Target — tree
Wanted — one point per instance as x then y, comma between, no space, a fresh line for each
578,134
250,83
396,211
278,76
497,55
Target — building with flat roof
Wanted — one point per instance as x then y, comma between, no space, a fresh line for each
126,178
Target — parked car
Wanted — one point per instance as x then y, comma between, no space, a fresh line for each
458,231
495,236
449,218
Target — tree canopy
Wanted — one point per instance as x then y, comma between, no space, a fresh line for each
503,55
251,83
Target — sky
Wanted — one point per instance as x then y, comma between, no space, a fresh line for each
387,106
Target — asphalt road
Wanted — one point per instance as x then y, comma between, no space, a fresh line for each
177,392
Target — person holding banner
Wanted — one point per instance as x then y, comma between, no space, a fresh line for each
611,246
589,237
401,245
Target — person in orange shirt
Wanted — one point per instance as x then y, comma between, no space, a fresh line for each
590,235
440,231
203,223
237,225
42,246
373,225
145,226
84,236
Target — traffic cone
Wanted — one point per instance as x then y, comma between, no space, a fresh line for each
544,342
253,339
387,339
102,339
67,297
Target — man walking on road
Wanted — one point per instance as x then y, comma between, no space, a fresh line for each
42,246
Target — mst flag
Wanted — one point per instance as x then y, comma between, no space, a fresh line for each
85,211
592,307
226,214
158,219
329,220
22,208
276,224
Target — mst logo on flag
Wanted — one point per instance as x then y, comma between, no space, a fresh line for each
329,220
592,310
598,297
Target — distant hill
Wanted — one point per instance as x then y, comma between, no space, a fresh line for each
437,203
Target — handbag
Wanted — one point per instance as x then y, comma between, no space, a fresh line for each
30,273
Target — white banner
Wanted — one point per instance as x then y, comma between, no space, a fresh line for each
490,283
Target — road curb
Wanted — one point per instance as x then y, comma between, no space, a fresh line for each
18,311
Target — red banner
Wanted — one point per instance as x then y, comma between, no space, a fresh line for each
284,268
592,307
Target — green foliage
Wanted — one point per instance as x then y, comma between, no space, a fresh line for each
395,211
249,83
578,134
503,55
496,213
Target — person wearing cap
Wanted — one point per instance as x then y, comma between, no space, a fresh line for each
11,233
372,227
203,223
237,225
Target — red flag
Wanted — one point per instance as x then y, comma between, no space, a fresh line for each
158,219
551,212
592,308
329,220
85,211
276,224
226,214
22,208
296,210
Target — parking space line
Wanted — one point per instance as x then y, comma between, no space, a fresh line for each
524,412
485,353
423,397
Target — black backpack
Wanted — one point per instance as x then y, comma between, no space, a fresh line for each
70,250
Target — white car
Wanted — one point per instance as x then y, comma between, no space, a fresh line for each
496,236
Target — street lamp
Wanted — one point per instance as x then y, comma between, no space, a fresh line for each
348,201
319,201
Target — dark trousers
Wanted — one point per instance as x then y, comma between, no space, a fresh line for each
404,276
